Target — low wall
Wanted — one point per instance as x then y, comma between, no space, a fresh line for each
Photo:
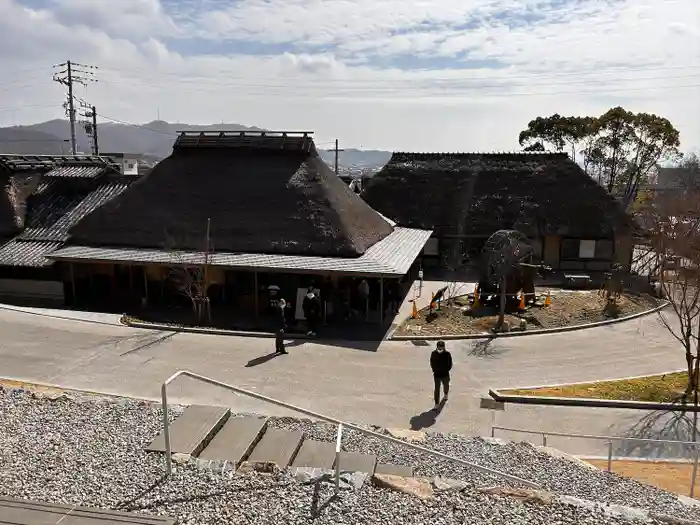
29,289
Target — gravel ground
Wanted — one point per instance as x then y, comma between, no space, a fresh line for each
568,308
86,451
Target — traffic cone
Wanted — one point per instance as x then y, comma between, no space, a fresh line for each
521,306
414,311
475,303
548,299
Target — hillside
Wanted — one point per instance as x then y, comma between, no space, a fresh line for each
153,138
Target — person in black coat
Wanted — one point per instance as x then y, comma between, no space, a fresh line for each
280,320
441,364
312,310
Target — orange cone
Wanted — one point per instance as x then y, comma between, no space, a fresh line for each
414,311
521,306
548,299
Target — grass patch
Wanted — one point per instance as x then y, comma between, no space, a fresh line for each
660,389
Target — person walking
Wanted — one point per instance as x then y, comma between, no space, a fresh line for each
441,364
281,325
312,310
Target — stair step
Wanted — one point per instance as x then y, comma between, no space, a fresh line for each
277,446
25,512
193,430
235,440
357,462
319,454
394,470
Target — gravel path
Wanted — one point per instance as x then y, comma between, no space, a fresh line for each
86,451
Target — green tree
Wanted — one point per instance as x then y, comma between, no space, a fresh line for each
619,149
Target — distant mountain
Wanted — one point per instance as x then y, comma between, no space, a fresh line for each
154,139
357,159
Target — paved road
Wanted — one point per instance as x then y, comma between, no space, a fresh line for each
390,386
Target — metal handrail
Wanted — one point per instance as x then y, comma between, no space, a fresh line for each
609,441
587,436
327,419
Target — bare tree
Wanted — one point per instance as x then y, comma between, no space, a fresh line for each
190,273
674,235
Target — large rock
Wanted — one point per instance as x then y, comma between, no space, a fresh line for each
408,435
525,495
440,483
263,467
420,488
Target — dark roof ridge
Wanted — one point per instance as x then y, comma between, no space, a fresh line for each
553,154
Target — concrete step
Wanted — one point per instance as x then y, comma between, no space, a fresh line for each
25,512
193,430
394,470
277,446
236,439
319,454
357,462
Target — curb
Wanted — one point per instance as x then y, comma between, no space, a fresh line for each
589,403
21,310
543,331
593,382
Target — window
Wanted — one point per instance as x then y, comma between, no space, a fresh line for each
601,249
431,247
604,249
586,249
569,248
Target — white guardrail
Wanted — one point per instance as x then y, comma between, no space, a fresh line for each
609,441
341,426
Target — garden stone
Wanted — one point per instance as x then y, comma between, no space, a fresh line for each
521,494
420,488
441,483
406,434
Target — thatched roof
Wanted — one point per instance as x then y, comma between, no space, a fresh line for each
261,194
476,194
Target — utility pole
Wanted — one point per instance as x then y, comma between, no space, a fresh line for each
69,74
90,125
336,155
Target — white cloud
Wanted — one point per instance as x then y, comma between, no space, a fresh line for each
580,59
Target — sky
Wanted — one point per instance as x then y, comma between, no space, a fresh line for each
421,75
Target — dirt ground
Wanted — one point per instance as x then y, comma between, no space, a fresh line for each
674,477
568,308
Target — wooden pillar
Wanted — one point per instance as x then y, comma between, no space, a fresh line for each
257,293
145,283
381,300
74,300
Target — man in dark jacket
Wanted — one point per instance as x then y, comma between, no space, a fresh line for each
312,310
441,364
280,320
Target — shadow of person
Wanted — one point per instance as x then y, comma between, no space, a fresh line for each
426,419
262,359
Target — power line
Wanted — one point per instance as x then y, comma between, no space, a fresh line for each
69,74
26,106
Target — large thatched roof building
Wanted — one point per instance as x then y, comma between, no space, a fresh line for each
259,194
466,197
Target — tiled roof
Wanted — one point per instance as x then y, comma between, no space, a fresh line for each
52,212
18,252
392,256
68,171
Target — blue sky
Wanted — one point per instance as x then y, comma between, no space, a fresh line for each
431,75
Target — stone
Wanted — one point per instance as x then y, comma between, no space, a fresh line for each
691,502
523,325
441,483
263,467
408,435
521,494
418,487
181,459
671,520
354,480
